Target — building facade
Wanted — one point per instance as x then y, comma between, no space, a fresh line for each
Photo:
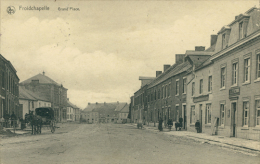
53,92
9,92
236,111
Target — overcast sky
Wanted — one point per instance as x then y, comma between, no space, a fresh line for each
99,52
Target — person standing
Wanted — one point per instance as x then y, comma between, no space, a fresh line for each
197,126
160,124
13,119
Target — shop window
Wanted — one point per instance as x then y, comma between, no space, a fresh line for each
245,113
222,114
208,114
192,115
258,112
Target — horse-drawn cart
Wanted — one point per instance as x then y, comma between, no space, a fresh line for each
43,117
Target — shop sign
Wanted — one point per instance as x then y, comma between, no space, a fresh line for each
201,98
234,91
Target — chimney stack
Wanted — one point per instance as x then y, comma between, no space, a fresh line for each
89,103
43,73
213,39
199,48
165,67
68,99
158,73
96,103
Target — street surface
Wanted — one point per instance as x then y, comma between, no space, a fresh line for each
113,144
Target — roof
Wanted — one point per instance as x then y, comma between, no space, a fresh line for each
69,104
90,107
120,106
105,108
29,95
211,48
146,78
172,72
125,109
43,79
10,64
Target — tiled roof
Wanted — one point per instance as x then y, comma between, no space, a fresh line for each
107,107
90,107
71,105
43,79
172,72
120,106
29,95
125,109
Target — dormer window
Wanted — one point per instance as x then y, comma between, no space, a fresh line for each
241,30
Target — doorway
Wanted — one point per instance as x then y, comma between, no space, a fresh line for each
233,118
184,117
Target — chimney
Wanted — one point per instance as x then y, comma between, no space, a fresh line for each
89,103
213,39
117,102
179,58
96,103
199,48
158,73
43,73
104,103
165,67
236,17
68,99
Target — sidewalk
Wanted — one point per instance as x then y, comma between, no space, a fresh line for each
231,142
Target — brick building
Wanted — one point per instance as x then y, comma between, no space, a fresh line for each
55,93
73,113
9,92
236,111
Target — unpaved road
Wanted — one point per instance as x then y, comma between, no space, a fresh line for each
113,144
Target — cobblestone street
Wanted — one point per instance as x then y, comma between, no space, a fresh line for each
113,143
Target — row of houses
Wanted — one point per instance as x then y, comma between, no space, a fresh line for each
219,86
105,112
37,91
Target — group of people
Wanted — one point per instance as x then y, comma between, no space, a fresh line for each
178,125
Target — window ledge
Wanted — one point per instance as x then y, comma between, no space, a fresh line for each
246,83
177,95
184,93
210,92
221,127
208,125
234,85
223,88
192,124
257,80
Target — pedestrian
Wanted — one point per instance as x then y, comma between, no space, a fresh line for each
13,119
197,126
177,125
170,124
160,124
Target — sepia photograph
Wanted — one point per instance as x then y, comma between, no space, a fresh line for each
130,81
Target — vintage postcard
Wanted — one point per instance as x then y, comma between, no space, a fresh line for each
129,81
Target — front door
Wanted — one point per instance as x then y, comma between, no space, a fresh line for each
233,118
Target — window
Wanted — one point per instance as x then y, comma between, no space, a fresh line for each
247,70
184,85
177,87
163,92
159,94
258,112
245,115
222,114
241,30
208,114
193,89
223,41
201,86
192,115
166,90
258,66
210,84
234,73
155,95
3,80
223,77
169,90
